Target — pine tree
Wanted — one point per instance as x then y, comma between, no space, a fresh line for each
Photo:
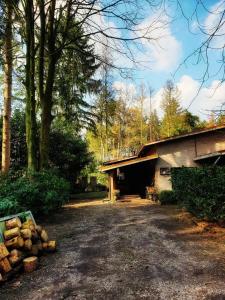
172,119
154,124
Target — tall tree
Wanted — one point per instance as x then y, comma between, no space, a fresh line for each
8,60
31,126
172,119
154,124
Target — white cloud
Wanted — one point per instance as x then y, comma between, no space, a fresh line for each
198,101
203,100
163,51
160,52
214,22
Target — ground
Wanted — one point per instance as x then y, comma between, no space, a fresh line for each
135,250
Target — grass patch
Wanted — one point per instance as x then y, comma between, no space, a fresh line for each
89,195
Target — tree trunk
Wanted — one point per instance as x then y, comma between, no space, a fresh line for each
31,127
46,97
46,120
7,89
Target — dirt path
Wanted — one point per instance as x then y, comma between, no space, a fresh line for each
125,251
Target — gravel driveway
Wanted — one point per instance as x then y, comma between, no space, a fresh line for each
134,250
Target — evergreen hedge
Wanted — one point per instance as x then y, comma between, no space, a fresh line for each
201,191
167,197
40,192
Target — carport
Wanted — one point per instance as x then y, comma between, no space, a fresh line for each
131,175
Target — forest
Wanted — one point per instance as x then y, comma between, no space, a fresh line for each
112,149
62,114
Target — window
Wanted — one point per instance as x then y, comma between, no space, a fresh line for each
165,171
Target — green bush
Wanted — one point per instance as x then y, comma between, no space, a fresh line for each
167,197
201,190
40,192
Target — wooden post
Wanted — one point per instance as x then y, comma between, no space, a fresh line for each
111,186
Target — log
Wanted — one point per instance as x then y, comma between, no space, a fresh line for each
5,266
15,252
12,223
14,260
3,251
30,221
26,233
38,229
28,244
30,264
15,243
44,236
51,246
11,233
29,224
45,246
34,250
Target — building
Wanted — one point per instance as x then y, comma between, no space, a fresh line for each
152,165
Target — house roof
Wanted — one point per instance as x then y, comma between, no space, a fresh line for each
210,155
177,137
113,164
114,161
134,160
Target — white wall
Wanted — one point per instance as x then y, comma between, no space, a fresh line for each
173,154
182,152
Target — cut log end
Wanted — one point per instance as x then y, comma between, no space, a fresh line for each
11,233
5,266
12,223
3,251
44,236
14,260
15,243
26,233
28,244
52,246
30,264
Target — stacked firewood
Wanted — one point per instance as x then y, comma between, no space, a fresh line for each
23,243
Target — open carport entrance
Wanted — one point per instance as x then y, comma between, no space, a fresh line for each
134,179
131,176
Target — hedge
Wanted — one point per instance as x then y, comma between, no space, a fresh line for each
40,192
201,191
167,197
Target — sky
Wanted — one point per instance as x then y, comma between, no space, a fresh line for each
165,59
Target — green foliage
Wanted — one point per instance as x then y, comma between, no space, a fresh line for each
201,190
40,192
167,197
172,121
90,195
69,154
176,121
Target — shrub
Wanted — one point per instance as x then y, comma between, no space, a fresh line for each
167,197
201,190
41,192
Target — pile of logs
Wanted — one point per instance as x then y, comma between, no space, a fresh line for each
23,243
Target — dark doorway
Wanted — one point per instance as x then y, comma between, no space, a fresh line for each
135,178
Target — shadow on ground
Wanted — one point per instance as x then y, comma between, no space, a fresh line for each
135,250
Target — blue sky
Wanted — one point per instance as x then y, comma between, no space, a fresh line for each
177,43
